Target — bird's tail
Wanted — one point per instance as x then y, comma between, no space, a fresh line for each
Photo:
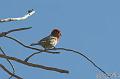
34,44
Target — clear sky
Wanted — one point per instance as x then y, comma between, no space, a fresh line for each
90,26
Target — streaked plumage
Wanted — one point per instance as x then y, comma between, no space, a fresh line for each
50,41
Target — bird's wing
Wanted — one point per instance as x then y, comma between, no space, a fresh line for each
49,39
44,39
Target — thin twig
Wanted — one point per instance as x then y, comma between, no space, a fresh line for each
9,63
84,57
26,59
6,70
19,29
29,13
33,65
14,30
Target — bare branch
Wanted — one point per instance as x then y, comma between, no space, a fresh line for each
6,70
29,13
26,59
31,56
74,52
84,57
19,29
14,30
40,50
9,63
33,65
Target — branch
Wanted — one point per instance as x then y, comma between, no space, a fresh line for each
84,57
4,34
14,30
40,50
29,13
6,70
26,59
74,52
33,65
9,63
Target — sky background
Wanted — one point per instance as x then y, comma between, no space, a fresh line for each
90,26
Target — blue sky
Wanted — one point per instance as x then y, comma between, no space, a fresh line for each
90,26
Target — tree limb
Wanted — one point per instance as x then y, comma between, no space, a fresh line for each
6,70
33,65
29,13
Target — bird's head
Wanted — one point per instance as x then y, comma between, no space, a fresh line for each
56,33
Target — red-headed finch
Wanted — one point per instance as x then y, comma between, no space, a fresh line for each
50,41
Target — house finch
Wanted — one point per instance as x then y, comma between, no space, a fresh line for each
50,41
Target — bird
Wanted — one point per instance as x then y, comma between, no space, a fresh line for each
50,41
